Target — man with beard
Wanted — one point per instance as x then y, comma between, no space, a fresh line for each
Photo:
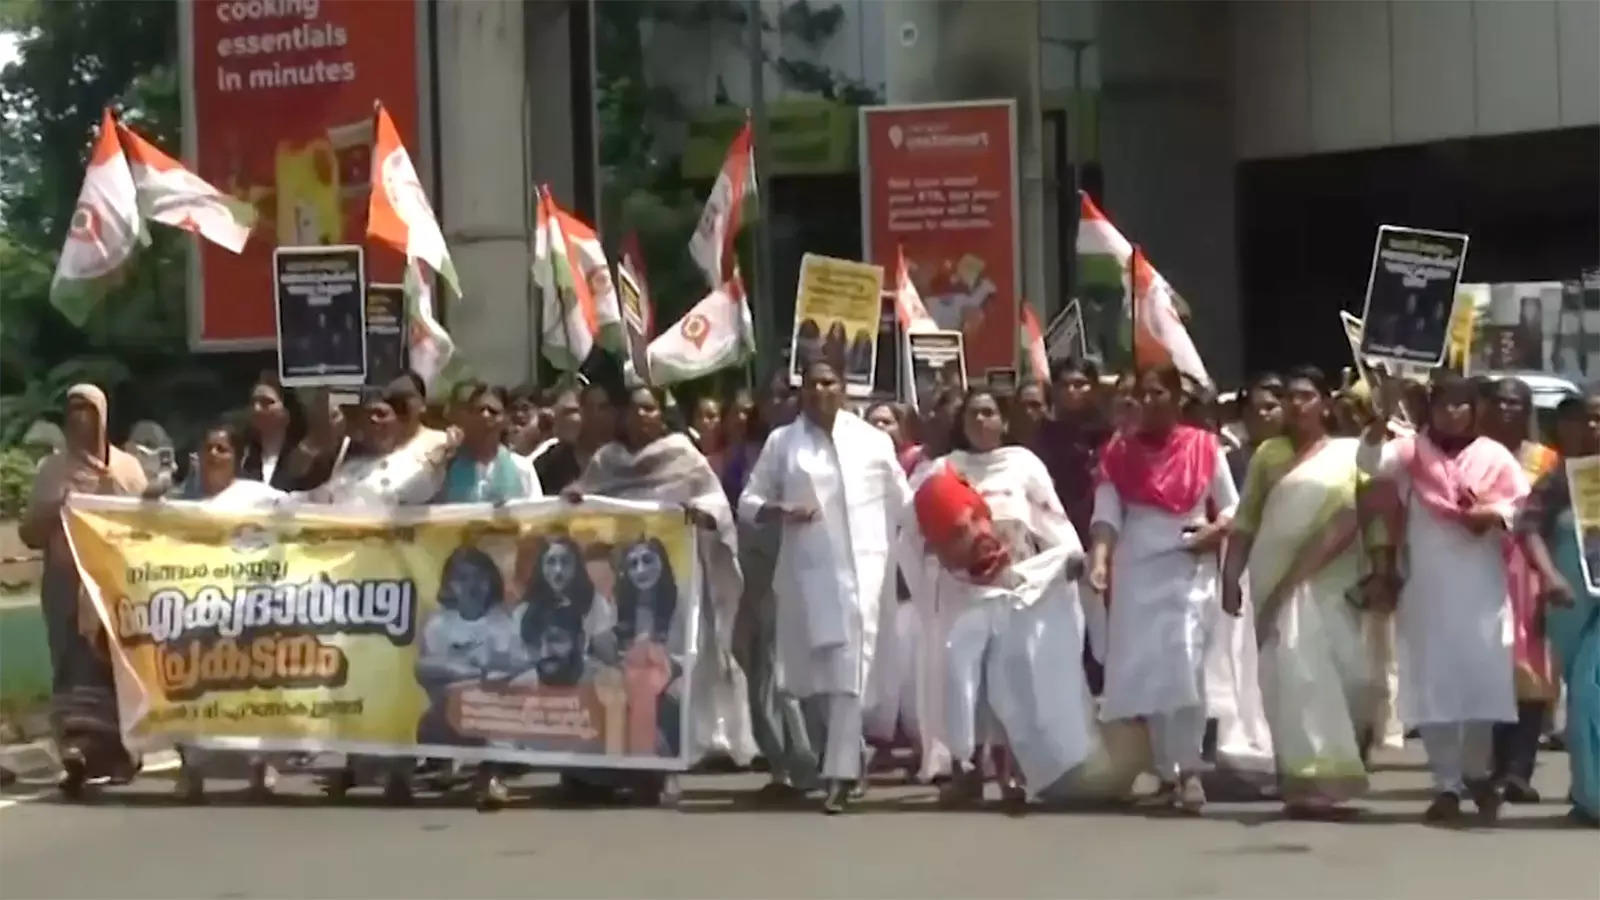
832,576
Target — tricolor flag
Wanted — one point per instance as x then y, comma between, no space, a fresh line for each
1105,261
1036,362
1159,336
712,244
429,344
913,316
908,304
716,334
105,229
398,211
172,195
578,305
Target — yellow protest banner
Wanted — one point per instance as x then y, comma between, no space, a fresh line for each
541,632
836,317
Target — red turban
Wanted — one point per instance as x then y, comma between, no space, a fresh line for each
957,525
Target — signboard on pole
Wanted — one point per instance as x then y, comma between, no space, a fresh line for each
1411,291
1065,337
387,356
940,180
937,362
277,101
321,305
837,310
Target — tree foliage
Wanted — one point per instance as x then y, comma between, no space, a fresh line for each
77,57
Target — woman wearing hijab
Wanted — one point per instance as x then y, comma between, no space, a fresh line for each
217,484
1507,408
957,716
1161,512
1296,527
647,463
83,707
1448,496
1572,614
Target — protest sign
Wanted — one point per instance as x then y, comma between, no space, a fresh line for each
1410,293
635,318
886,372
457,631
937,362
321,306
1065,337
277,101
1002,380
940,182
836,315
1583,485
386,333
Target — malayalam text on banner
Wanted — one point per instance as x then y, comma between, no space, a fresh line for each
541,632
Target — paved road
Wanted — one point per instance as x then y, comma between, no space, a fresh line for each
136,843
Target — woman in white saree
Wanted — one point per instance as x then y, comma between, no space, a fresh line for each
956,708
646,463
1295,528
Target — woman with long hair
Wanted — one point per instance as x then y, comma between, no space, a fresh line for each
83,702
1296,529
1448,495
743,432
1027,521
645,462
1161,513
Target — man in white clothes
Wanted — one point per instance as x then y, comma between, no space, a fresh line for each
835,484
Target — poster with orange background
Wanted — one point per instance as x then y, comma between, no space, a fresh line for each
278,104
940,181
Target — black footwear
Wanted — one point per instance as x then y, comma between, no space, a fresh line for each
397,789
338,784
1445,808
1517,790
1485,796
838,798
964,790
74,773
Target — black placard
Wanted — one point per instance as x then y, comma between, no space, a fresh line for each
1410,293
321,304
938,361
386,333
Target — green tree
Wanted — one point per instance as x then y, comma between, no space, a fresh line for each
77,57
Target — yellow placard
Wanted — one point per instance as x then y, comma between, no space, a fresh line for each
1583,483
542,632
836,316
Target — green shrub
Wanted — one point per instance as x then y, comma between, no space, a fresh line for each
16,482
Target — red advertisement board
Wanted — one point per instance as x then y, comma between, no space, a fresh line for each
941,181
278,99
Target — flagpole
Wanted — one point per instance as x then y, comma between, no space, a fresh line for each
549,205
761,311
1133,306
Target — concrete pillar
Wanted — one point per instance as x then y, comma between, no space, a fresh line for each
940,50
506,123
1167,148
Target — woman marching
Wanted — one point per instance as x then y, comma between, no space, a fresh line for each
218,485
1153,537
647,463
83,701
1296,527
1572,616
955,712
1448,496
1506,410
